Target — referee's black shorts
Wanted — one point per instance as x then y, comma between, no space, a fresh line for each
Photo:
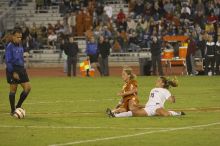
93,58
21,71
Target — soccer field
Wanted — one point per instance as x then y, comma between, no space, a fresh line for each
71,111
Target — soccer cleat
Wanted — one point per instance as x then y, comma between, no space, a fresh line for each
182,113
12,113
110,113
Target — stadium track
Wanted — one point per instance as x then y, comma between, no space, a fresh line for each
58,71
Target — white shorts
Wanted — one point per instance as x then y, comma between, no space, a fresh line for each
151,110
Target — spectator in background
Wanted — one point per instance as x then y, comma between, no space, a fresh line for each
104,19
87,20
122,25
155,49
148,12
200,7
63,45
71,51
199,19
99,11
212,21
91,7
210,55
108,10
202,44
58,25
138,8
71,21
190,60
120,16
104,51
52,38
79,24
131,24
185,12
217,56
106,32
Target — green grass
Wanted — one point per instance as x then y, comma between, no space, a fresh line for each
68,110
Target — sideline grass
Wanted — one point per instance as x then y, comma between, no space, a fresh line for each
62,110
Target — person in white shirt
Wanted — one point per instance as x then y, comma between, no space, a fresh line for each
155,105
108,10
52,38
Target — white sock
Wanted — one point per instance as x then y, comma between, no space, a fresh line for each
124,114
172,113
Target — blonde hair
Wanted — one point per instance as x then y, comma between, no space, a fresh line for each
129,71
167,82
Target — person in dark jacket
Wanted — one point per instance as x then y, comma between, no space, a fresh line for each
15,70
104,51
217,56
71,51
156,56
210,55
190,60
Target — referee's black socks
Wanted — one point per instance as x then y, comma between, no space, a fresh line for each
12,101
23,96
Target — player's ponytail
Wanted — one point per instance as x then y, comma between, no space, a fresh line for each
129,71
168,83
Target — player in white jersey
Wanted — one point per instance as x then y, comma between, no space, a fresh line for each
155,105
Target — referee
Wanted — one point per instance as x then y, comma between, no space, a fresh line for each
15,71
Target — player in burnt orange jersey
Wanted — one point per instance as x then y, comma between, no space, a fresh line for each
129,99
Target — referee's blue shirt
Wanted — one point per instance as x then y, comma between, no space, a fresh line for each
14,56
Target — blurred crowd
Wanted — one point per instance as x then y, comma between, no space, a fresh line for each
128,31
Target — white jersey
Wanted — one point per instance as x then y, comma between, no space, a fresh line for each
158,96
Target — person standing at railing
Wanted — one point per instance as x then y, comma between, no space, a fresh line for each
190,57
15,71
217,56
104,51
210,55
155,49
71,50
63,45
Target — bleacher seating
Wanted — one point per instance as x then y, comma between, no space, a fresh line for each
25,12
81,41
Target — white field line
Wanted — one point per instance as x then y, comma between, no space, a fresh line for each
133,135
60,113
68,101
217,109
75,127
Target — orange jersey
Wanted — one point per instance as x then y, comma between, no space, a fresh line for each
128,87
